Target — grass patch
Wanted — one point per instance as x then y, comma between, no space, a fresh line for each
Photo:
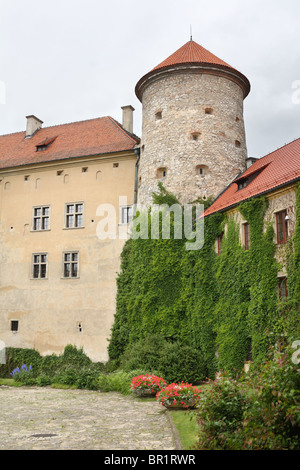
186,425
10,383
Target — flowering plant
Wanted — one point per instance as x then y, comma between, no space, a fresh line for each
183,395
23,373
147,383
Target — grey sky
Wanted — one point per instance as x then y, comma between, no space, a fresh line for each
71,60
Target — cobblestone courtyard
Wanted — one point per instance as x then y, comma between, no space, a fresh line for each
52,419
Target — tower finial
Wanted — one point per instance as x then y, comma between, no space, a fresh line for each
191,37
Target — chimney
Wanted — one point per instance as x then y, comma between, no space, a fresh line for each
127,121
250,161
33,124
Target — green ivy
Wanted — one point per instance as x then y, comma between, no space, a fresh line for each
224,305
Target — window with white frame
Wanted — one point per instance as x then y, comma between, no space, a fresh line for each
71,264
126,214
39,265
41,218
74,215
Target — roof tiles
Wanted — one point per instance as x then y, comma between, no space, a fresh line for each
272,171
77,139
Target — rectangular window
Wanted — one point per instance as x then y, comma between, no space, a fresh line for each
74,215
219,244
41,218
246,236
39,265
126,214
281,227
71,264
282,288
14,325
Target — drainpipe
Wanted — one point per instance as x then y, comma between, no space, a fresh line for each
137,151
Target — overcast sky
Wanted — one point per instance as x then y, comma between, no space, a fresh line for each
71,60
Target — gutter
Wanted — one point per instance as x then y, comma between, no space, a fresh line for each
137,151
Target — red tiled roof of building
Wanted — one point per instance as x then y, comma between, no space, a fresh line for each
77,139
276,169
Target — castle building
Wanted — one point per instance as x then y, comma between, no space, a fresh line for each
57,271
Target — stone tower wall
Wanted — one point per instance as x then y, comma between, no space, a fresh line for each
199,153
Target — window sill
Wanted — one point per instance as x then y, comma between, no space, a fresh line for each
69,278
39,279
72,228
41,230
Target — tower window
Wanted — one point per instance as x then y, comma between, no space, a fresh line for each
201,170
158,115
195,135
208,111
115,165
161,172
237,143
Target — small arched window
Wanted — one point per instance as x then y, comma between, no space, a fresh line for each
195,135
201,170
208,111
161,172
158,115
237,143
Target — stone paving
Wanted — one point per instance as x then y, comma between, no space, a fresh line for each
53,419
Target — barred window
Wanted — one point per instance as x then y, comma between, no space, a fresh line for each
41,218
74,215
71,264
39,265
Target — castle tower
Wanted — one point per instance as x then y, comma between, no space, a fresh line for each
193,136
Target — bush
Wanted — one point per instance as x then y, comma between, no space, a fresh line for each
261,411
175,362
118,381
220,412
271,419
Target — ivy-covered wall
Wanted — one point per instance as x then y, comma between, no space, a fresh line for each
225,305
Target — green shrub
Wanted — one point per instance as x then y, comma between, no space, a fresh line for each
261,411
220,412
271,419
179,363
173,361
118,381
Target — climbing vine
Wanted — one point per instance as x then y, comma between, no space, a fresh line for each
224,305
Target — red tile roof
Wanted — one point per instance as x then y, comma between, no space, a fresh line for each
276,169
77,139
189,53
192,53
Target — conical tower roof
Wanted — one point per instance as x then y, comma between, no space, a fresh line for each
192,55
